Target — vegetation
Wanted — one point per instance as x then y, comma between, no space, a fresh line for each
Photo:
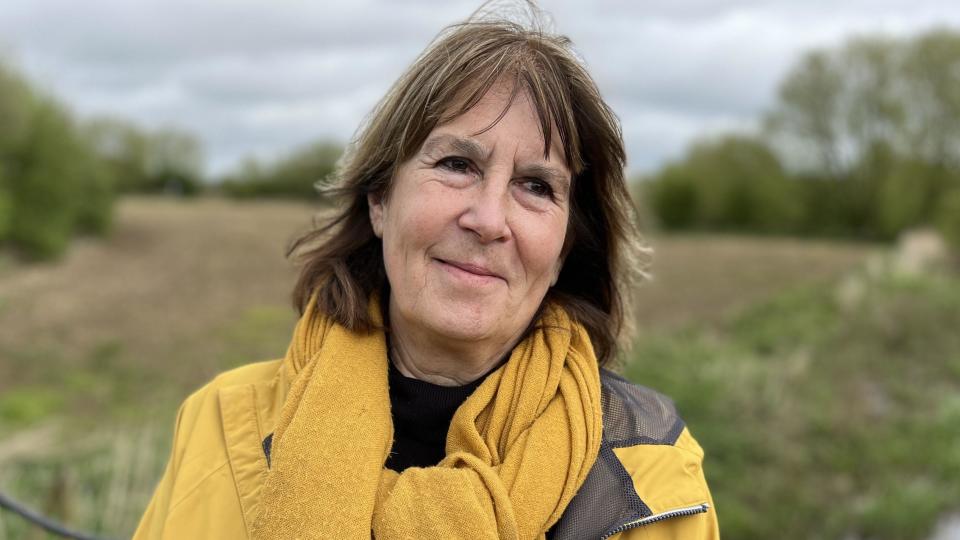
52,185
826,412
294,176
90,378
863,142
59,177
140,161
747,190
950,219
100,481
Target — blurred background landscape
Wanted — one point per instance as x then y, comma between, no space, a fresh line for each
796,167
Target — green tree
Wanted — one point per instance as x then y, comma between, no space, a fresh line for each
142,161
805,117
931,70
873,127
731,183
52,183
174,162
16,100
948,219
293,176
835,106
123,148
672,196
44,188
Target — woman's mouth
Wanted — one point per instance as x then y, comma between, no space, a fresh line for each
470,271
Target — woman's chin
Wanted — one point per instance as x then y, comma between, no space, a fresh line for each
466,330
469,323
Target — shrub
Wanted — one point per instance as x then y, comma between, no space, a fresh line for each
672,196
731,183
291,177
57,186
139,161
948,219
44,190
52,183
6,210
817,401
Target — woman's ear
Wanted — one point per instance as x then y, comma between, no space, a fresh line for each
375,202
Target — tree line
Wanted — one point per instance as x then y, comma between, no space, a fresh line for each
292,176
59,175
863,141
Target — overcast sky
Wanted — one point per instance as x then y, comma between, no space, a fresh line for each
262,77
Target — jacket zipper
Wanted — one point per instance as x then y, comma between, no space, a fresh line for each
688,511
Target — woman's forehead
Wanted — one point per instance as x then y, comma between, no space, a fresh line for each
496,100
471,126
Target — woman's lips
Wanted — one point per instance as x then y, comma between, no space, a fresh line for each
474,270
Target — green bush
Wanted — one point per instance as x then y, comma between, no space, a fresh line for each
95,206
294,176
821,417
6,209
904,199
825,207
174,163
911,193
139,161
15,109
45,189
672,197
732,183
52,183
949,219
173,182
844,208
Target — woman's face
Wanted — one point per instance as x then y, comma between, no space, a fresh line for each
474,225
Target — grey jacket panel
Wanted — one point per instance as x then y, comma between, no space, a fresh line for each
632,415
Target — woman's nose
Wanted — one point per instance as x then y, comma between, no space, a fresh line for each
486,211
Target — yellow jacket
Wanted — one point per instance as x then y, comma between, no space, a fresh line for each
647,482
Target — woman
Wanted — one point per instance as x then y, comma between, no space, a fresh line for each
444,379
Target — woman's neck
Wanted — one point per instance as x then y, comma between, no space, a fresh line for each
418,356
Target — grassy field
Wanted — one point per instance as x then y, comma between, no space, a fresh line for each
826,412
98,349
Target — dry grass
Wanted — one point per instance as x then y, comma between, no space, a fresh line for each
704,278
166,280
178,281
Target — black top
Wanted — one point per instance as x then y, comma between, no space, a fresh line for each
422,413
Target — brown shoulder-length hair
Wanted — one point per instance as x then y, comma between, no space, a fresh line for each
341,258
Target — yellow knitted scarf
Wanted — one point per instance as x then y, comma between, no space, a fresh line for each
517,450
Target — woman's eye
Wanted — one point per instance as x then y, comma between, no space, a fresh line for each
456,164
539,188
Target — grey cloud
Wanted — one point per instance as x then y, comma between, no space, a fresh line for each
121,33
291,76
261,78
653,136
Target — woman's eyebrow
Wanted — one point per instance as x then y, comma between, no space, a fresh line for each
466,146
473,149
